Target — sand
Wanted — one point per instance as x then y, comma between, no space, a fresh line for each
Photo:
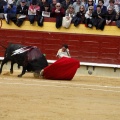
83,98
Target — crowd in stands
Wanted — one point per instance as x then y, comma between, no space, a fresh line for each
96,13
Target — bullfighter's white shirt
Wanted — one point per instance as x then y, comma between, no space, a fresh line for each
60,53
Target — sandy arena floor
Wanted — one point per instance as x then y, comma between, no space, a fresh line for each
83,98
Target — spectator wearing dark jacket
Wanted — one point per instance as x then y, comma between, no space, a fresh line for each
53,4
44,12
81,14
22,11
103,7
65,4
110,15
98,18
2,3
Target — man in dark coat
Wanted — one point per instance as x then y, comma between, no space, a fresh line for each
22,10
65,4
110,15
103,7
98,18
2,3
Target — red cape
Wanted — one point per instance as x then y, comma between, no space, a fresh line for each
63,69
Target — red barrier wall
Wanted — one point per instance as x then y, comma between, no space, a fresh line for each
86,48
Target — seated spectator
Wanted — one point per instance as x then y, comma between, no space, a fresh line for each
42,3
44,12
72,1
106,3
58,12
10,2
98,18
77,5
69,15
22,11
110,15
83,2
18,2
10,12
116,8
80,16
53,4
90,3
45,9
103,7
33,11
117,2
65,4
88,16
70,12
2,3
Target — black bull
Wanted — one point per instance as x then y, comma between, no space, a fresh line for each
31,60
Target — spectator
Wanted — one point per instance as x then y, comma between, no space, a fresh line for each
76,5
46,8
110,15
65,4
2,3
88,16
72,1
70,12
10,12
33,11
106,3
22,11
58,12
117,2
42,3
10,7
103,7
18,2
53,4
80,16
90,3
44,12
83,2
98,18
115,7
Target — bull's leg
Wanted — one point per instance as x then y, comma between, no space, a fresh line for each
11,69
23,72
3,62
